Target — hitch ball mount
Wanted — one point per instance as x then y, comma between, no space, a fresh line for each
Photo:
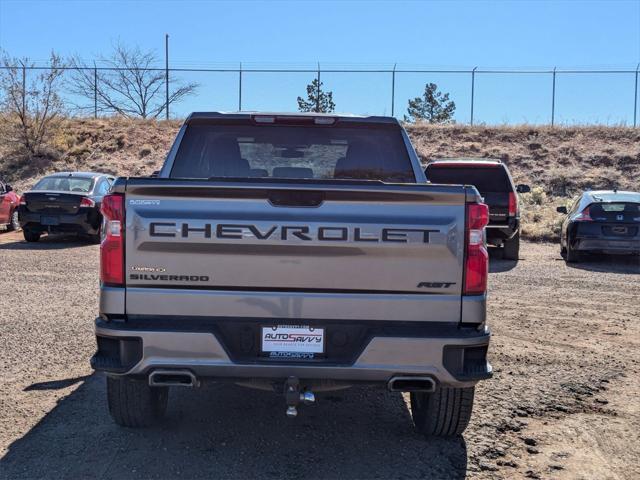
293,396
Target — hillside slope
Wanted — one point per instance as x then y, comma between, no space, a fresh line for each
557,162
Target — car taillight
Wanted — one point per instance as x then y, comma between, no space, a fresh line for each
583,216
112,245
513,204
23,200
476,267
87,202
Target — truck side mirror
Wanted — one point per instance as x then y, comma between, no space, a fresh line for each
523,188
561,210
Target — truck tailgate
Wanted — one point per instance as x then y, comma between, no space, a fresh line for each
294,237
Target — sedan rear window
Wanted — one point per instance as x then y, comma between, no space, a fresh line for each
613,207
65,184
492,179
284,151
615,211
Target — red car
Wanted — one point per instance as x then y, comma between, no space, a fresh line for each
9,202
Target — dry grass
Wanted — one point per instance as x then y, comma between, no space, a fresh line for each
118,146
557,162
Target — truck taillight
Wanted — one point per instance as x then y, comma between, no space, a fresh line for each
112,245
513,204
23,200
476,268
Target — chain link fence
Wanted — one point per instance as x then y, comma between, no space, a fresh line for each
387,89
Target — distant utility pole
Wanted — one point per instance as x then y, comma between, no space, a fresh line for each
166,73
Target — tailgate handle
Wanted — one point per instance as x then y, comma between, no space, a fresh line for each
296,198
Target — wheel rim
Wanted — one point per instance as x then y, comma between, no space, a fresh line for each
14,221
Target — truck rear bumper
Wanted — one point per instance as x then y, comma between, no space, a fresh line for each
497,233
453,357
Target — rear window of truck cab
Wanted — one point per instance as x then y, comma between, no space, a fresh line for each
486,178
371,152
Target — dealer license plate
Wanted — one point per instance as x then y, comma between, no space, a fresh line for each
292,341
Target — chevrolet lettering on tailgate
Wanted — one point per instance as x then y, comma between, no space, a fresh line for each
288,232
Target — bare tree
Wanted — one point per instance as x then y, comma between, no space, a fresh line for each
31,109
127,83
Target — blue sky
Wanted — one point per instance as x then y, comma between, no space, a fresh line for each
449,35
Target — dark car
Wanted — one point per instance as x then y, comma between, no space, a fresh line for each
8,207
66,202
603,221
494,182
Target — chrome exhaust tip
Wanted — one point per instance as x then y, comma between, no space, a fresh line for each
412,384
173,378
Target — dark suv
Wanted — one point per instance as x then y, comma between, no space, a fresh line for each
494,182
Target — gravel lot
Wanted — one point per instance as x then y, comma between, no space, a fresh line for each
564,401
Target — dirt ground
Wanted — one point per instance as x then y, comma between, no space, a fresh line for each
564,401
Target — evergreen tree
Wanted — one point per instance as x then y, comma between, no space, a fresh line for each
432,107
317,100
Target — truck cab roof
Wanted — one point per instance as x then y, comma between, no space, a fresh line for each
221,116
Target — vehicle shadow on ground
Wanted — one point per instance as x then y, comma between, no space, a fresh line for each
223,431
56,384
628,264
46,242
497,264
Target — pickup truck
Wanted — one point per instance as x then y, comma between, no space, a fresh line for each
296,253
493,180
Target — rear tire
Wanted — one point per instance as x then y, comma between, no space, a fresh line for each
14,225
444,413
133,403
31,236
570,255
511,247
95,238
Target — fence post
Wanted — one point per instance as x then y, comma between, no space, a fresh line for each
240,88
95,91
553,99
393,89
166,73
24,89
318,91
473,90
635,99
